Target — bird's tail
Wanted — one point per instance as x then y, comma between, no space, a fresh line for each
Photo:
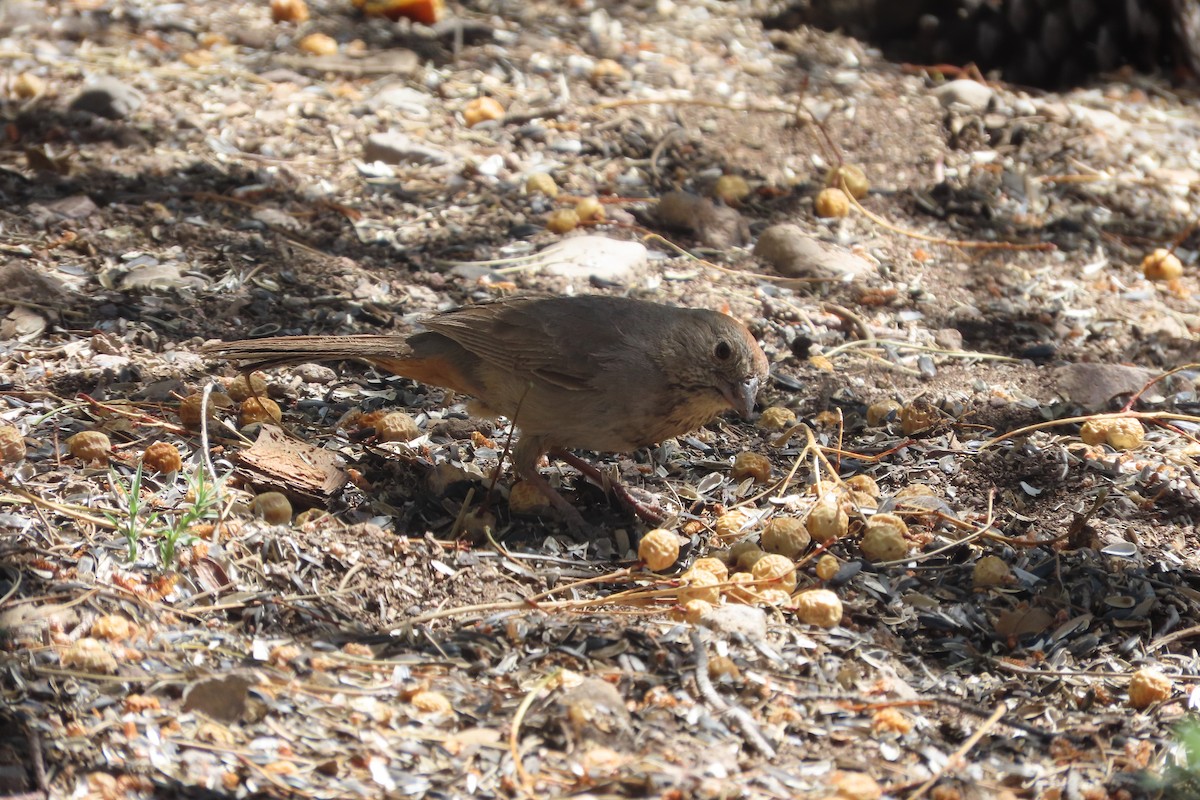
390,351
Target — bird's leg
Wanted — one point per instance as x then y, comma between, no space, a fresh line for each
644,511
525,458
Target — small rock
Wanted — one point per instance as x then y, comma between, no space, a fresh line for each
397,148
972,94
593,257
715,226
948,338
1092,386
315,373
747,621
107,97
795,254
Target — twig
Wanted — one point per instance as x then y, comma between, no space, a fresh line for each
739,714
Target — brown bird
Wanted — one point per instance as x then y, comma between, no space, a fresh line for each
593,373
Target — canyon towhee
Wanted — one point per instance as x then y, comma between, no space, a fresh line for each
595,373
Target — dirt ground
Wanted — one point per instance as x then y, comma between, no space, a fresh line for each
1034,637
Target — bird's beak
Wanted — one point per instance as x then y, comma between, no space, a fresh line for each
741,396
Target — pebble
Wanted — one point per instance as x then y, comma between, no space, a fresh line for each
315,373
972,94
747,621
107,97
1092,386
393,147
795,254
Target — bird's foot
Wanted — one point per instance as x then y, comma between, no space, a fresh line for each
650,513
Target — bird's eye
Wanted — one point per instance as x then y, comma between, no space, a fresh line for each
723,351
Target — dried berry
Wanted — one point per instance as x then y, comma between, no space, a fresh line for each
740,588
748,557
731,189
694,610
776,418
850,179
89,655
659,549
863,483
589,209
879,412
482,109
730,525
918,416
12,444
93,447
787,536
274,507
243,386
162,457
831,203
1147,687
259,409
430,702
1162,265
289,11
990,571
189,407
525,498
819,607
714,565
563,220
827,520
751,465
396,426
779,570
1125,433
697,584
828,567
884,539
318,44
541,183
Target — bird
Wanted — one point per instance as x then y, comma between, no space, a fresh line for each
588,372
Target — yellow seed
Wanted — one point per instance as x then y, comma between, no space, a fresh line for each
831,203
541,183
849,178
1162,265
563,220
590,209
318,44
659,549
828,567
482,109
